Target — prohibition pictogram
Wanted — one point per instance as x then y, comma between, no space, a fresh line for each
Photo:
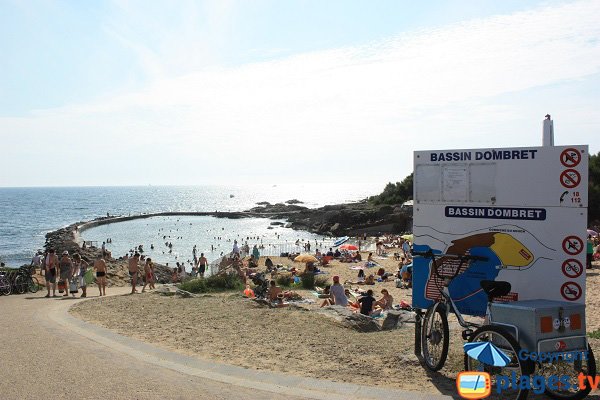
572,245
572,268
570,291
570,157
570,178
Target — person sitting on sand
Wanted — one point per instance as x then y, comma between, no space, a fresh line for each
360,279
370,280
383,275
249,293
337,253
273,292
309,268
357,257
338,294
269,264
330,252
386,302
366,303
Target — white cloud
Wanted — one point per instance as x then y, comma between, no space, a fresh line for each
343,107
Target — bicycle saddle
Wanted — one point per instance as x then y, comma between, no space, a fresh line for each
495,289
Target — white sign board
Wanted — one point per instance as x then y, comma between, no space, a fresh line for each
523,209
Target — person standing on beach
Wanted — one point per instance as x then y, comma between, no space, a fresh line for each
133,271
81,266
236,249
202,264
100,267
149,275
589,252
255,254
65,271
51,265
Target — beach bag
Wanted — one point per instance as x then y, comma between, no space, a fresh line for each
88,277
61,286
73,286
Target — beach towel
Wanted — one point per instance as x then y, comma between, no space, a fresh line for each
356,267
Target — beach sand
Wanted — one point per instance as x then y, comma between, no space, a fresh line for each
300,341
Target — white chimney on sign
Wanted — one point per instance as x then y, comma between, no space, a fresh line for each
548,134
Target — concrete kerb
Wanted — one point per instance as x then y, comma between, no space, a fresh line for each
261,380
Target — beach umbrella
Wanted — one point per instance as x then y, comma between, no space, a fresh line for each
592,233
408,237
304,258
348,247
486,353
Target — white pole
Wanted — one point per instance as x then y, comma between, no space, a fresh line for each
548,132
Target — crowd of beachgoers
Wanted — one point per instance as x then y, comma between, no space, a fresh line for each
381,259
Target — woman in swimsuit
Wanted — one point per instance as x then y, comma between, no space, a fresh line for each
149,275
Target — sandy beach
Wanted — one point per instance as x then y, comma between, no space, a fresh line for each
295,340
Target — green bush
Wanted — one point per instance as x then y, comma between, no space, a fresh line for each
213,283
285,280
309,281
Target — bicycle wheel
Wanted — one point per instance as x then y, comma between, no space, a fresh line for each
21,284
435,337
34,285
501,377
582,363
5,286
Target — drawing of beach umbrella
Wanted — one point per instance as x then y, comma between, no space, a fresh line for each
592,232
305,258
350,247
486,353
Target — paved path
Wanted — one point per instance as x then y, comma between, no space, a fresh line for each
45,352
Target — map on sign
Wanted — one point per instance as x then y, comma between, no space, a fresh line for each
504,248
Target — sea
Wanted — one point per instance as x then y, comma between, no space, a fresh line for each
27,214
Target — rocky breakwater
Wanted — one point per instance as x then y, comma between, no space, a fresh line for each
117,274
349,219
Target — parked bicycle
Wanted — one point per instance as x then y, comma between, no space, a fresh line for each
18,281
435,335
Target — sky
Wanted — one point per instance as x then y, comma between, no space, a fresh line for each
103,93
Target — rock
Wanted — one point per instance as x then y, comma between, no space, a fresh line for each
277,223
294,201
350,319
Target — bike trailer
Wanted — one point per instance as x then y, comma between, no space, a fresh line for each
543,325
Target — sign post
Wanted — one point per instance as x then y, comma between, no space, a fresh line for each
523,209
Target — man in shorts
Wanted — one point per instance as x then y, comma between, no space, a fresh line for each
100,267
133,271
202,263
51,268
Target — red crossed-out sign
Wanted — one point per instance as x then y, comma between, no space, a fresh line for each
570,178
571,291
572,245
570,157
572,268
